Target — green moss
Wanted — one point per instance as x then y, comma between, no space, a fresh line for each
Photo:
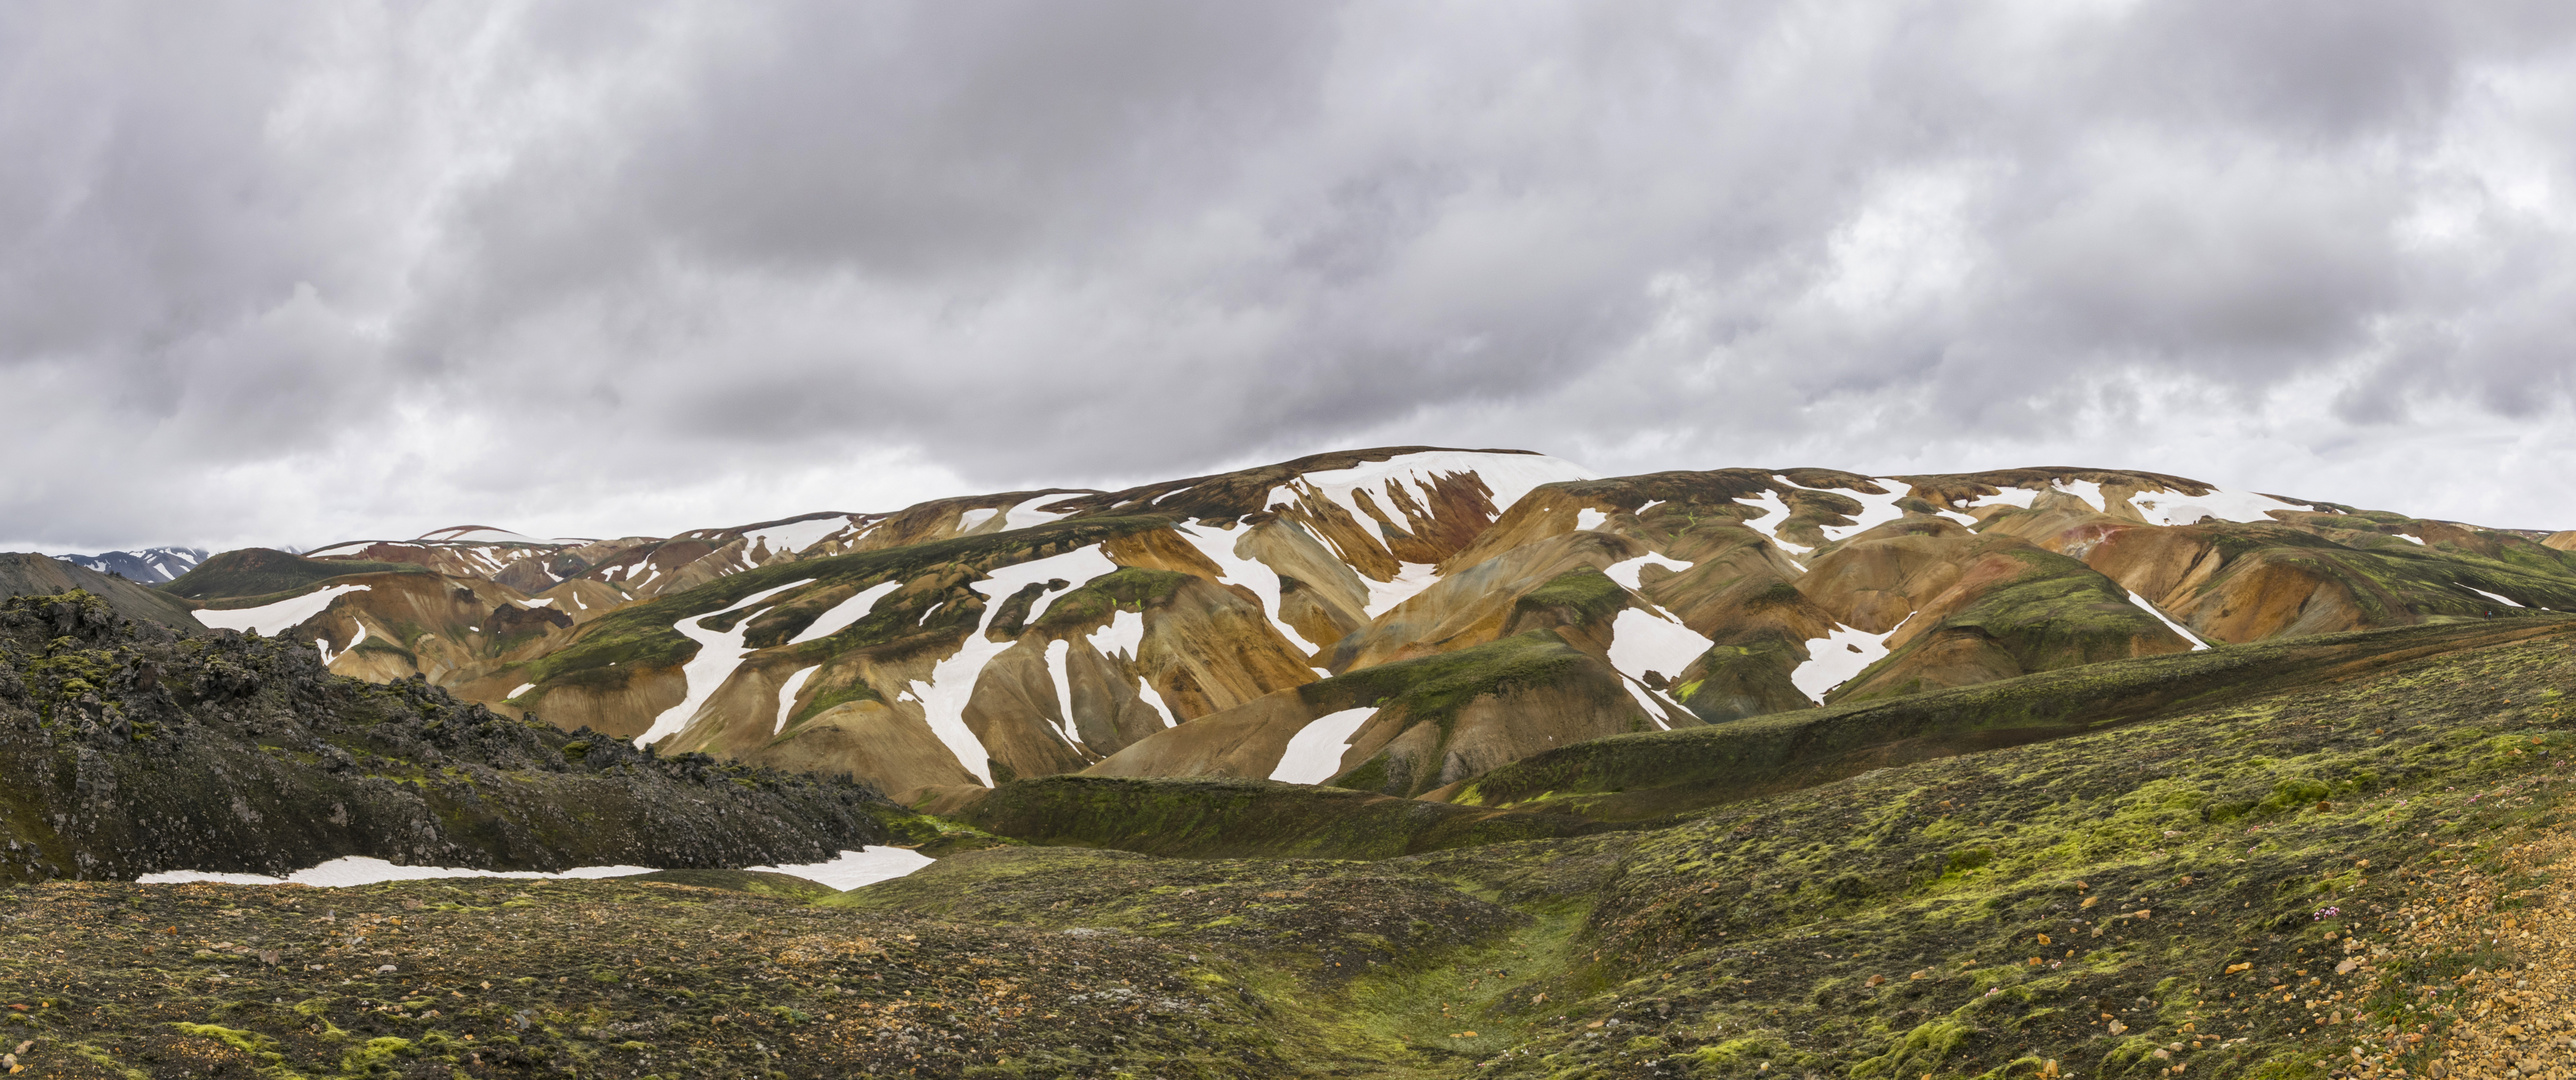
1650,774
1580,597
1921,1050
1129,588
1433,688
251,576
1208,817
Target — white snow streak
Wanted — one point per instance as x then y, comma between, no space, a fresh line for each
1219,546
793,537
2194,639
523,688
967,521
1023,515
1642,641
952,681
1508,476
719,652
2507,600
1875,510
1410,580
851,870
324,644
846,612
352,870
1314,754
1625,572
1834,659
1775,513
1059,668
855,868
787,695
275,618
2176,508
1123,638
1654,710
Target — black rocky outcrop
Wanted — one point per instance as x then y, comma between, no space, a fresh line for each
126,748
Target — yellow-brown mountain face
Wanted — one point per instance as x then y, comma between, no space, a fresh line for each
1400,620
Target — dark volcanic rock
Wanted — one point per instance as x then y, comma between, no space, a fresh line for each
126,749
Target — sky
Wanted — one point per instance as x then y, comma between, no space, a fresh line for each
283,274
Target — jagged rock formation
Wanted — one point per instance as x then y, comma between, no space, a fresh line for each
1398,620
125,749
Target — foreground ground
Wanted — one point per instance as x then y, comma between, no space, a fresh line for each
2354,879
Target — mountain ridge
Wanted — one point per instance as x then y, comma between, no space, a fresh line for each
966,641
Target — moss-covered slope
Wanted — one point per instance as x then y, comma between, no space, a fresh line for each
1652,774
1230,818
260,572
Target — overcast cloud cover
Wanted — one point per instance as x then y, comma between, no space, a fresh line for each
282,274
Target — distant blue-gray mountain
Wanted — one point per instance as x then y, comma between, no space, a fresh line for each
151,566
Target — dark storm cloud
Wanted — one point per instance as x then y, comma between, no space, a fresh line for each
287,272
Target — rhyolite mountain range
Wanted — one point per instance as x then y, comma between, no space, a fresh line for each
1399,621
1389,763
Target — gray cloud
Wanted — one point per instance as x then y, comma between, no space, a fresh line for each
284,273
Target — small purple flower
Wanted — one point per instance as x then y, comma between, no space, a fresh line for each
2327,913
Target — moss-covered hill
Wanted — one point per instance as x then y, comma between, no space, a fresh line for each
125,749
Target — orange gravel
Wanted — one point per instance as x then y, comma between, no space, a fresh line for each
2516,1022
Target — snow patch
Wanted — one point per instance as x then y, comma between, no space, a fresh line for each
849,871
855,868
1775,514
324,644
1023,515
2194,639
1314,754
952,681
1252,574
353,870
1643,641
1510,477
1625,572
538,601
846,612
795,536
1410,579
2506,600
719,652
1588,520
967,521
1654,710
2176,508
1059,669
2417,541
787,695
1875,510
1834,659
1648,505
275,618
523,688
1123,638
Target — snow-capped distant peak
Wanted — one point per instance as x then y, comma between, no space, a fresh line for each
151,566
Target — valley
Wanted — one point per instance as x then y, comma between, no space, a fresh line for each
1407,762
